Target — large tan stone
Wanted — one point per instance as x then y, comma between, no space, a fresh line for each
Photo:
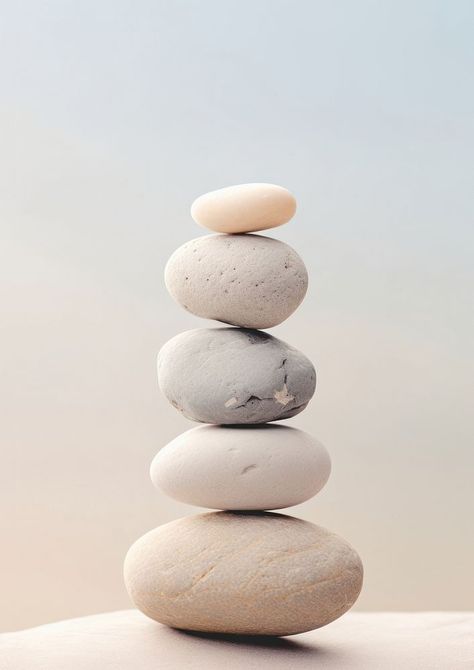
253,573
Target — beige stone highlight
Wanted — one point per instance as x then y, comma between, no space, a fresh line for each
252,573
244,208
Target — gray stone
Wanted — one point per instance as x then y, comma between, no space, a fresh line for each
253,573
245,280
234,376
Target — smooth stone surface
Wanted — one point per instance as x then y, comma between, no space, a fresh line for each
249,573
244,208
234,376
245,280
128,640
242,468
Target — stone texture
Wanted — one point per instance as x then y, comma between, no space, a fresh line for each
242,468
244,208
234,376
245,280
253,573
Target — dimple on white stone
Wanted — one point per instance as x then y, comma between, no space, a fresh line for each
242,468
234,376
244,208
245,280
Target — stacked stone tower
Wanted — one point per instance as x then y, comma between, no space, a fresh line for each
243,569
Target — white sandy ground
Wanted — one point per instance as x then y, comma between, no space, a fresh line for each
127,640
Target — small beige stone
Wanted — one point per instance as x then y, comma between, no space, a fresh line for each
244,208
235,572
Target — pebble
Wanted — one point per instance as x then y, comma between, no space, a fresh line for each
234,376
246,573
244,208
245,280
242,468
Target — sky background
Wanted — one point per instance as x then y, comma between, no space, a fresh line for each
114,116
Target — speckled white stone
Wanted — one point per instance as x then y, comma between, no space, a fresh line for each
242,468
245,280
244,208
233,375
254,573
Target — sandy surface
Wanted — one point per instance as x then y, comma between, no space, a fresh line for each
127,640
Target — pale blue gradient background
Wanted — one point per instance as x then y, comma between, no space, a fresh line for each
114,116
